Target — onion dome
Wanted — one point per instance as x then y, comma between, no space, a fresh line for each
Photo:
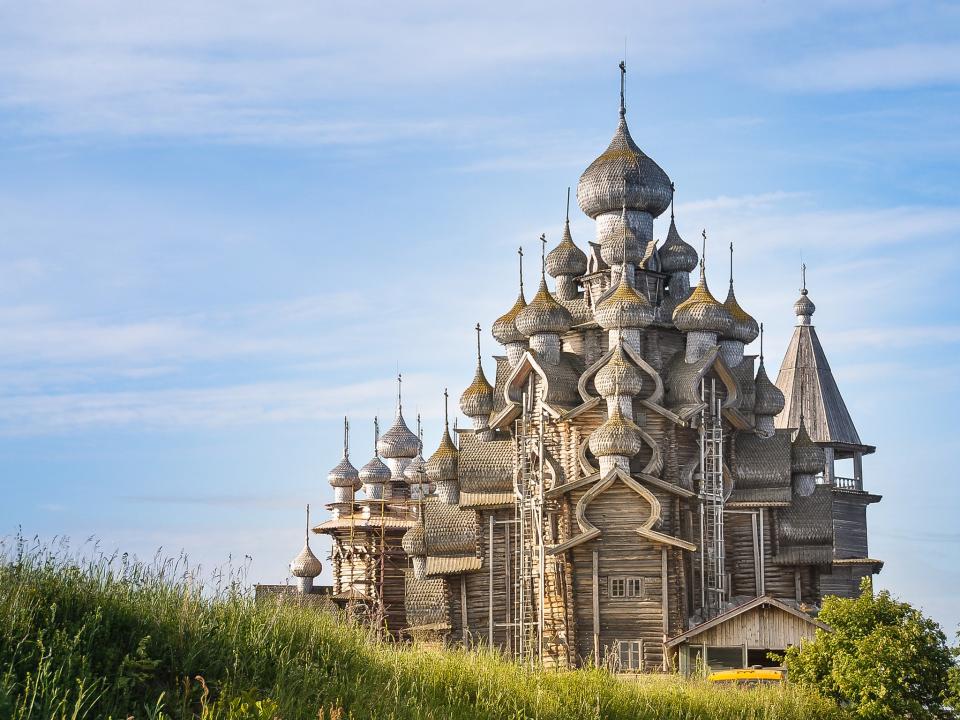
344,474
619,243
624,307
623,173
306,564
399,441
617,436
744,327
675,254
416,470
702,312
442,465
544,314
375,472
804,307
768,400
806,457
505,328
566,258
414,541
619,376
477,399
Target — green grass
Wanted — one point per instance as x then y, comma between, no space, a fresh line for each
117,638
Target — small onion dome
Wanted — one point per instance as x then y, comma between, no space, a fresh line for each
623,173
375,471
675,254
617,436
416,470
306,564
442,465
543,314
702,312
744,327
619,376
505,328
806,457
624,307
344,475
804,307
414,541
566,258
477,399
768,400
619,243
399,441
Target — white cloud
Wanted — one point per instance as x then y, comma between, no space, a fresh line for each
877,68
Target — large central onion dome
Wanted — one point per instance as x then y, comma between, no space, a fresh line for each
623,174
676,255
702,312
543,314
624,307
617,436
619,376
601,187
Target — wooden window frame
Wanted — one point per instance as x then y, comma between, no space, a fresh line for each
626,587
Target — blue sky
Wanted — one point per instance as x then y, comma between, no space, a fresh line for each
223,226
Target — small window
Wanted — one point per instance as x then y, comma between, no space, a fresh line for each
626,587
630,655
618,587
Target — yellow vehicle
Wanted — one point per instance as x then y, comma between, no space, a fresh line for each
748,676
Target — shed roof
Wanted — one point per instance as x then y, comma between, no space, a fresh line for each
763,600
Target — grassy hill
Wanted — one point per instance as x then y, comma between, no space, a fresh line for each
117,638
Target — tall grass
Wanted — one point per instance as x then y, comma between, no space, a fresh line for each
111,637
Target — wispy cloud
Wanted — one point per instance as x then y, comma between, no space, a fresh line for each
878,68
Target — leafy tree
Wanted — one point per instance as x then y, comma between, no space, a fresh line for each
953,694
882,658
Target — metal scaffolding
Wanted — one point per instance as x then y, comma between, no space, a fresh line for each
530,555
713,578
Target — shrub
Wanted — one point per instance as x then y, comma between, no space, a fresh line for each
883,659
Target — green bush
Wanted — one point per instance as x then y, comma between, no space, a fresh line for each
883,659
114,638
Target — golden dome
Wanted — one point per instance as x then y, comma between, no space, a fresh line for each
505,328
544,314
702,312
624,307
477,399
442,465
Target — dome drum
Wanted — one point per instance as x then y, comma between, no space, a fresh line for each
764,425
804,484
343,494
547,346
619,378
732,352
566,288
448,491
698,343
618,246
632,338
515,351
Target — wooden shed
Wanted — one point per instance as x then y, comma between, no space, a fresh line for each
742,636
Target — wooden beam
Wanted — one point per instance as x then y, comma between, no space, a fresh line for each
490,584
665,602
463,611
596,608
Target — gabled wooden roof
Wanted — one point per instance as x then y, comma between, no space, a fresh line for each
723,617
805,372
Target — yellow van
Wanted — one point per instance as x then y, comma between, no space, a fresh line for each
748,676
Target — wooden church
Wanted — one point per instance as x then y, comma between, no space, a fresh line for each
635,492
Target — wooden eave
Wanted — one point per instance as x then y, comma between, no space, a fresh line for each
740,610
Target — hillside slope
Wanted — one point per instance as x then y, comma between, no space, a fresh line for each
116,638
